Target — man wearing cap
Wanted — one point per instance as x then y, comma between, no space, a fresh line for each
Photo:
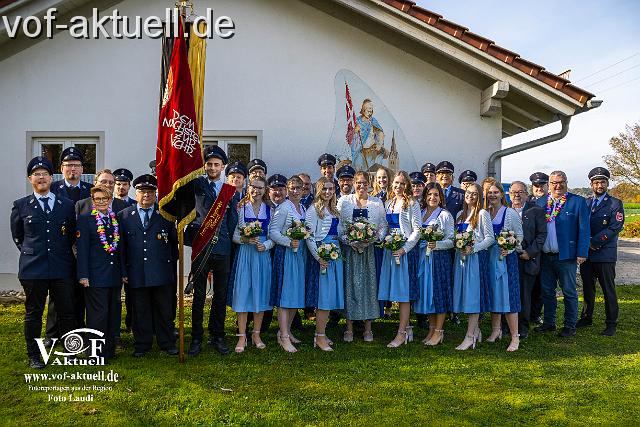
43,227
534,228
417,184
236,173
123,179
149,255
257,168
429,172
345,180
607,219
327,163
207,188
453,196
102,177
277,189
539,185
70,186
467,178
307,190
567,245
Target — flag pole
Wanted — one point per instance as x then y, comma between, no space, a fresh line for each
181,295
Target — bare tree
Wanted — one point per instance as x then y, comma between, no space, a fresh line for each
624,164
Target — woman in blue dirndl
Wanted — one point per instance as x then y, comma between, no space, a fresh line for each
403,216
325,290
470,276
292,281
252,280
503,268
434,273
381,190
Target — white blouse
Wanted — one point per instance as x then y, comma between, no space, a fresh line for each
282,219
375,211
410,220
512,222
445,223
483,234
319,228
248,210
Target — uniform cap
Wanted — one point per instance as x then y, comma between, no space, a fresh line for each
326,159
277,180
346,171
215,151
71,153
599,173
236,167
468,176
123,174
417,178
428,167
146,181
445,166
539,178
39,163
257,163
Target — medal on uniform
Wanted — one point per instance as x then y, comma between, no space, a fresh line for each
159,236
604,222
63,230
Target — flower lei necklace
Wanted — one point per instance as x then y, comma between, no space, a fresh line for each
101,233
552,212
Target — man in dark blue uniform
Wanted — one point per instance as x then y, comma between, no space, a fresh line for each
539,185
257,167
429,172
236,175
123,179
70,186
345,180
539,188
207,188
307,190
149,255
453,196
607,219
327,163
106,178
467,178
43,228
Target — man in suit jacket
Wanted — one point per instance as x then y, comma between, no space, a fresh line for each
71,166
607,219
567,244
206,190
107,178
534,228
43,229
122,186
453,196
149,255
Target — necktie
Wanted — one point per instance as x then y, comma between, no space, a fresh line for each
45,205
595,204
145,223
213,189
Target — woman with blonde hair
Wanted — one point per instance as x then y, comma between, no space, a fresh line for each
396,282
382,189
325,289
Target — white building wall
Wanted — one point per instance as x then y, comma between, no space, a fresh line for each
276,75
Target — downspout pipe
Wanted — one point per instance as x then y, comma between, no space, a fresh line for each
491,166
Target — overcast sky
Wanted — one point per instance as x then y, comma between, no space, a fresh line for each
585,36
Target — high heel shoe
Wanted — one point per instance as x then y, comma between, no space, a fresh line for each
241,348
315,343
495,336
515,343
468,343
293,339
367,336
287,346
259,345
348,336
430,334
478,335
409,330
395,344
439,340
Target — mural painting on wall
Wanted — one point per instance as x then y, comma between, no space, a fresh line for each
367,136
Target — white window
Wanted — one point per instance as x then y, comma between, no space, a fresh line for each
241,146
51,145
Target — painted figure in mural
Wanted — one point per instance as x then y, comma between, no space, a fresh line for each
367,148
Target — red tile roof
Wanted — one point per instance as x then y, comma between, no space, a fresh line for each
512,58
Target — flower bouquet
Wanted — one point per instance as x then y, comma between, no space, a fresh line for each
298,231
328,252
506,240
394,241
251,229
361,231
431,233
462,241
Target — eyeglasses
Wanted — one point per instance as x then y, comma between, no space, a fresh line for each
101,199
556,183
517,192
106,182
41,174
72,165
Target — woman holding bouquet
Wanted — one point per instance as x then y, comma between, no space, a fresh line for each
381,190
503,266
287,229
360,283
474,235
325,290
434,274
396,281
252,282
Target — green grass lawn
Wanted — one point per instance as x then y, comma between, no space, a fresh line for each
587,379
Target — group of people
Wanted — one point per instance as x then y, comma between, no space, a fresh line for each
287,243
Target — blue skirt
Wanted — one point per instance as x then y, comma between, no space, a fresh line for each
396,284
471,283
293,277
252,280
504,282
277,270
435,280
325,291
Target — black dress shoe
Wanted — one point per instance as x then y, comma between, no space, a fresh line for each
35,363
219,345
537,320
567,332
609,331
139,354
583,322
195,347
172,351
545,328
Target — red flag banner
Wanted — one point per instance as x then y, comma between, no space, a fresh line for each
209,227
351,115
178,154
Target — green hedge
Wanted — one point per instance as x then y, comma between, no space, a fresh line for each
631,229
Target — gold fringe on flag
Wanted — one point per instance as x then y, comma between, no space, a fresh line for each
197,59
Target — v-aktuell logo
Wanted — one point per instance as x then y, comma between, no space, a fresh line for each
78,341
